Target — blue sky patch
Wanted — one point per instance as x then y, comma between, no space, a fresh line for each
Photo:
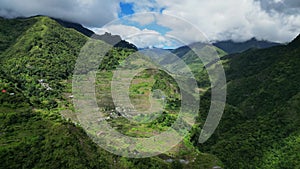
161,10
152,26
126,9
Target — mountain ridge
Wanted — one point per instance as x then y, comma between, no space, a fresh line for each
295,42
231,47
262,110
114,40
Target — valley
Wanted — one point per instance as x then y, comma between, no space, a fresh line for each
40,127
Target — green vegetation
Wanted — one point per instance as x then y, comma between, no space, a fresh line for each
39,129
16,28
41,59
38,126
141,88
197,56
260,126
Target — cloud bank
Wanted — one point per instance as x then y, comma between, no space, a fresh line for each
274,20
239,20
90,13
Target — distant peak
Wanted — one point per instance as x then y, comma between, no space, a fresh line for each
253,39
296,42
231,46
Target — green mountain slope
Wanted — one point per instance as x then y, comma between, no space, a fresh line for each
44,54
10,30
195,56
32,136
260,126
38,129
37,61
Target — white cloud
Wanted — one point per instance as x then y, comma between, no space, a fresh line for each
180,30
87,12
141,38
122,30
239,20
212,23
144,5
143,19
275,20
231,19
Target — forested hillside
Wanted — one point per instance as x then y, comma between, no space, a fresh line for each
38,126
260,126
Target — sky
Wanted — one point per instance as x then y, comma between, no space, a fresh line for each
216,20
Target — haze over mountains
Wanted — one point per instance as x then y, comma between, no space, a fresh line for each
260,127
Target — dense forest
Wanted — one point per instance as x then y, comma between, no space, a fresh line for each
39,129
260,125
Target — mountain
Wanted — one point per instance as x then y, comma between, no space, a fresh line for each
75,26
114,40
16,28
39,128
296,42
236,47
260,125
